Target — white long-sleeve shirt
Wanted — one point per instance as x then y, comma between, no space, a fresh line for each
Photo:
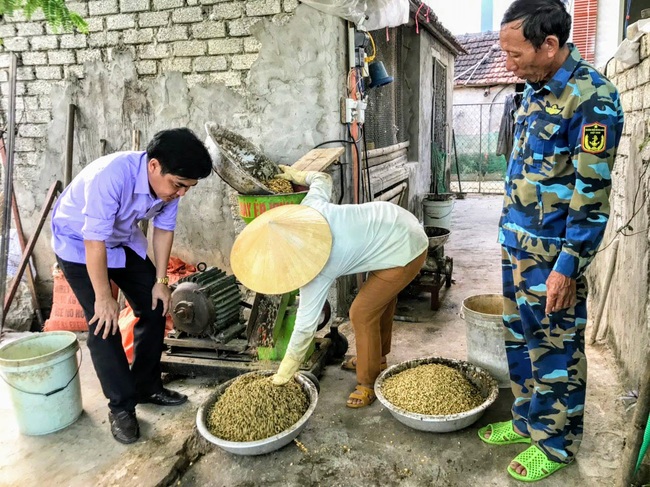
366,237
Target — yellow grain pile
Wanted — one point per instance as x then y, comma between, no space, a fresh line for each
278,185
252,409
432,389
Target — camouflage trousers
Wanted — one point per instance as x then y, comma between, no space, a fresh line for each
546,356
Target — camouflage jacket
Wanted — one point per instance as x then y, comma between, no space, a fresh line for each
559,174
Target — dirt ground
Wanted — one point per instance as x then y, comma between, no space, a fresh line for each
369,447
345,447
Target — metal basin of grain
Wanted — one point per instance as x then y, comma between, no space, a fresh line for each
479,377
265,445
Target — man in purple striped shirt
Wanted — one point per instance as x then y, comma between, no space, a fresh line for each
96,239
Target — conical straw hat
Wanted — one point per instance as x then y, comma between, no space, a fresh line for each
282,249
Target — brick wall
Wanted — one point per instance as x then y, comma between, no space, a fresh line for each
208,41
628,304
633,84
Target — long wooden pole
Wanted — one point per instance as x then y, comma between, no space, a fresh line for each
7,186
388,150
27,253
354,129
387,158
21,240
595,330
69,145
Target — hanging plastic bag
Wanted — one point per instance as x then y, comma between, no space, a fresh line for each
386,13
127,321
352,10
367,14
176,269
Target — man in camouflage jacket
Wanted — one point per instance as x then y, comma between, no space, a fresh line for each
554,215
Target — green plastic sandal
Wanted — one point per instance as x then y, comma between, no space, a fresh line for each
536,463
501,434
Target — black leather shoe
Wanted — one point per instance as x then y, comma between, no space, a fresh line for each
165,397
124,426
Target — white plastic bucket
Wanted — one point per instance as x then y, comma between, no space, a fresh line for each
485,333
42,373
437,213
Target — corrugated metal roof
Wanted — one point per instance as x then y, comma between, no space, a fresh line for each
485,62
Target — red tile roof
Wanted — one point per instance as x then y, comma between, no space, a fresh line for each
485,62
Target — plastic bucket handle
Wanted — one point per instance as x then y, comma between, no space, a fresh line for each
47,394
443,216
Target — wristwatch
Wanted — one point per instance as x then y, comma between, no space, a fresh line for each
162,280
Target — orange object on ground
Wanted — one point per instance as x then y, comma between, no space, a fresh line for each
127,322
67,314
176,269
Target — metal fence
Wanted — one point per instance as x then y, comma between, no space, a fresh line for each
476,131
385,123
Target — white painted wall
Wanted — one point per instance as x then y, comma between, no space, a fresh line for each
468,116
608,30
476,95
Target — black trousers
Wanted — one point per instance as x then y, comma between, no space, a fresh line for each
122,385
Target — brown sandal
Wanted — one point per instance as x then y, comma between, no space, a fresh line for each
362,393
351,364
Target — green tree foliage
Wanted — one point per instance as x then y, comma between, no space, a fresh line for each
483,164
56,13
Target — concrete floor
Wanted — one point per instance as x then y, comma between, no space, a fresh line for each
345,447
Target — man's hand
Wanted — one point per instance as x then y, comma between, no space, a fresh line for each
106,315
288,367
293,175
560,292
162,292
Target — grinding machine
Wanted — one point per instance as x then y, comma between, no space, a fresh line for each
437,269
218,332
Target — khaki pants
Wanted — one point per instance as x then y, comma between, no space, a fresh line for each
372,313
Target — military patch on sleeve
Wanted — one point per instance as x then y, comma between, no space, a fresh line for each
594,138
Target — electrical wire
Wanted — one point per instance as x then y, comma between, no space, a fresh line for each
374,49
340,164
365,153
341,141
417,13
623,229
356,94
358,152
341,178
358,83
348,83
366,186
474,67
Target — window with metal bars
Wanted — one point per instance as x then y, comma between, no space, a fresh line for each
439,127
